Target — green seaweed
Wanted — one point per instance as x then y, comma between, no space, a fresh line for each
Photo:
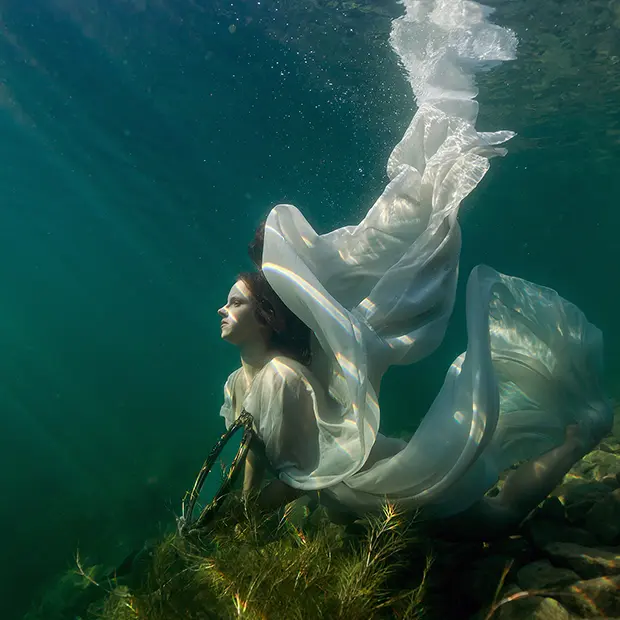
253,566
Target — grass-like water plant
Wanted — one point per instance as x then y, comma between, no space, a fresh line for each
247,565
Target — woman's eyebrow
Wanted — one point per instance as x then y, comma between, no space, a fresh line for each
235,298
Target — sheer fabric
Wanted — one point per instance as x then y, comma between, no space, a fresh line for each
381,293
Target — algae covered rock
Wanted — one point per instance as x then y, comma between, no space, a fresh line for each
532,608
603,462
603,519
543,575
587,562
575,491
579,497
595,597
611,480
542,532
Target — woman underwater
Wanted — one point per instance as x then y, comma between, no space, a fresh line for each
326,315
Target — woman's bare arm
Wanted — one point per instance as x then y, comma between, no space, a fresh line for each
255,465
276,493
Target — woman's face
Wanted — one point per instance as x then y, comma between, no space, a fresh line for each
239,323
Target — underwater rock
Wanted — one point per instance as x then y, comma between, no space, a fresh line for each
603,519
531,608
587,562
595,597
576,491
576,513
610,445
560,543
580,496
603,462
611,480
542,532
543,575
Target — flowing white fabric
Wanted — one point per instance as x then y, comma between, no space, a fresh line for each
382,292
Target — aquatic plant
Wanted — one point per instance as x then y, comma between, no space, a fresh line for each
289,566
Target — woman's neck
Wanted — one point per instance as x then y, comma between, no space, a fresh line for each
253,358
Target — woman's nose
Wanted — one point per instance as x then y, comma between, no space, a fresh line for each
222,311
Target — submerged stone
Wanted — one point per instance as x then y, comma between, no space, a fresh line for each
603,519
543,575
576,513
603,463
611,480
544,531
576,490
587,562
532,608
596,597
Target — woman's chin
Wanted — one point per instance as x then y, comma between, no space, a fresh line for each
227,335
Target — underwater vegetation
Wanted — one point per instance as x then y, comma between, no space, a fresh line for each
563,563
251,566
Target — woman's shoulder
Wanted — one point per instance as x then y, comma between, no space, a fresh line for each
230,383
232,376
286,368
285,373
283,382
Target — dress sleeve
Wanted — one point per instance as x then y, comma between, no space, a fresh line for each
284,403
227,410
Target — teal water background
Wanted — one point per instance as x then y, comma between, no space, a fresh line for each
141,143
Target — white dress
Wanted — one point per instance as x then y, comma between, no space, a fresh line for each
381,293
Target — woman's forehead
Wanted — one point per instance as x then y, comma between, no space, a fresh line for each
239,289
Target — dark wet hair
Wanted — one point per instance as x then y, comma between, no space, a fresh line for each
289,334
255,247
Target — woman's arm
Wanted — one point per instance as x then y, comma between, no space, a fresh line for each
255,464
276,493
285,401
